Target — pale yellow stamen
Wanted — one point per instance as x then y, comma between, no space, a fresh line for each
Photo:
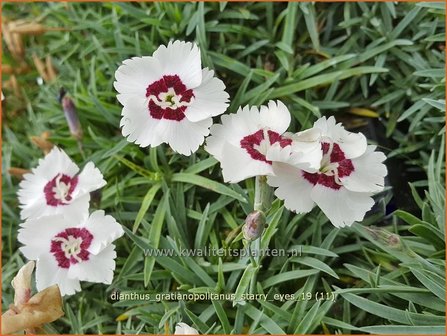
61,190
71,246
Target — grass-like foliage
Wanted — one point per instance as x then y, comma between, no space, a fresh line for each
378,67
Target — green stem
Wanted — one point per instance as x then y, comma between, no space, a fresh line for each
261,203
262,194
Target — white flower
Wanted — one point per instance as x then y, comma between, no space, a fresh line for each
169,98
243,141
55,187
68,251
350,173
184,329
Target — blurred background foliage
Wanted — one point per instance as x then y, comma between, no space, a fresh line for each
377,67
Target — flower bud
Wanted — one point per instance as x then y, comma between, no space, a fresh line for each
254,225
71,115
385,237
394,240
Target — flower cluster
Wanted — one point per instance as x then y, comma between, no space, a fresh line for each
68,244
169,98
325,165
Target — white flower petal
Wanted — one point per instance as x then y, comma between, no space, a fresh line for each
89,179
184,136
306,141
246,121
233,129
182,59
277,153
184,329
210,98
138,125
48,273
308,160
369,172
342,207
215,142
352,144
291,187
55,162
36,234
105,230
237,165
77,209
275,116
98,268
135,74
31,188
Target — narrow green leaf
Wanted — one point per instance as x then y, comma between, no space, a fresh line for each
323,80
207,184
147,200
287,276
154,236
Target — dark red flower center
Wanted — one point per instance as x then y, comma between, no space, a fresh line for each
334,166
256,144
58,191
169,98
70,246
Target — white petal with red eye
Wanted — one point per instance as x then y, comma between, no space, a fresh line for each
98,268
134,75
36,234
210,98
369,172
137,124
234,127
342,207
184,137
48,273
243,141
173,100
69,251
291,187
275,116
352,144
241,166
54,187
182,59
54,162
104,228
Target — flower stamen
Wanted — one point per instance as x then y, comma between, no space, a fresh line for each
61,189
70,246
168,98
333,167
